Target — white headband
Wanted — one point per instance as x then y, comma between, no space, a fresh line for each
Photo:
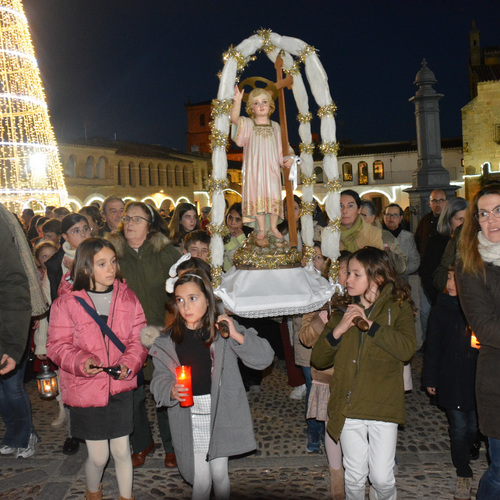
151,212
173,273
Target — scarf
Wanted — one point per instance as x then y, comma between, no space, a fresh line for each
38,302
69,257
396,231
490,252
349,236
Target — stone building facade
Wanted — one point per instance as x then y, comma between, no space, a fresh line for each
96,168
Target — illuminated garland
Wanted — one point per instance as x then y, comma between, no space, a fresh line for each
304,118
221,107
308,181
216,185
329,148
328,110
307,148
333,185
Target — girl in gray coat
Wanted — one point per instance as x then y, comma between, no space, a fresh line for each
219,424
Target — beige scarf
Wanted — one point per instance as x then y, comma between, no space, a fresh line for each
38,302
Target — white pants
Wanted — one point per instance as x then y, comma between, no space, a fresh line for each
369,448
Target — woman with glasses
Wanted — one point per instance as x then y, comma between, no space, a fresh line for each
478,279
145,255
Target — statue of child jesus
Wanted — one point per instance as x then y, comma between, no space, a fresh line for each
262,158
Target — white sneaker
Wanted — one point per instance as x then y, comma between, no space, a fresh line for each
299,392
30,449
7,450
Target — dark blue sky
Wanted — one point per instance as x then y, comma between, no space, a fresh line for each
129,66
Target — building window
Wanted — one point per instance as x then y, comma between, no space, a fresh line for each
347,171
362,173
378,170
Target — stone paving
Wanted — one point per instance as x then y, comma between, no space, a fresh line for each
280,467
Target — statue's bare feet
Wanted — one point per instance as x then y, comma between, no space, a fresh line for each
276,233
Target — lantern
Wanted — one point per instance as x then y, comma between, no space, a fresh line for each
47,382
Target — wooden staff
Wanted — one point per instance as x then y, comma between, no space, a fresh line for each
281,83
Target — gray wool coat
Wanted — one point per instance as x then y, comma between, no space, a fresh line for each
232,424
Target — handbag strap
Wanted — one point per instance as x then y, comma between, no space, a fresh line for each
106,330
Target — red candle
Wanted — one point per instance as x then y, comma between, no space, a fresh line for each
183,374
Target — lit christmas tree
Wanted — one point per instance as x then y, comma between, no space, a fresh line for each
30,170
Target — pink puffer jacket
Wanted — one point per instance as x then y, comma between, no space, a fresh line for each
74,337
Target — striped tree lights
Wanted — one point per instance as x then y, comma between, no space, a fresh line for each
30,170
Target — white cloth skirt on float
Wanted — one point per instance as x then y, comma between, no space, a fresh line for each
261,293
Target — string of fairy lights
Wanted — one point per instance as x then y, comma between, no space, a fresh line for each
30,169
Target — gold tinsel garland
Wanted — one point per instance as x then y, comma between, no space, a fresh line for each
329,148
307,208
333,185
308,181
218,230
294,70
267,45
334,224
327,110
308,252
221,107
333,272
306,52
216,275
247,258
304,118
241,62
307,147
218,139
216,185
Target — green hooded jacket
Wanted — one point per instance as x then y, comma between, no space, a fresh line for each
367,382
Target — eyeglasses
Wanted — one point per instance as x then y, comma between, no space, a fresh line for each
483,215
440,201
80,230
135,219
392,216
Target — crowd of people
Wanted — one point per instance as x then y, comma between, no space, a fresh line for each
117,296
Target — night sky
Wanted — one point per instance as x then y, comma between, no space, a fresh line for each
127,67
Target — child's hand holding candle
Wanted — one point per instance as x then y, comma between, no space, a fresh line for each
183,390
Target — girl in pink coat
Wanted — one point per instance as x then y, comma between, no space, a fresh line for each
100,404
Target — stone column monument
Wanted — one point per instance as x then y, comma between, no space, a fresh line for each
430,173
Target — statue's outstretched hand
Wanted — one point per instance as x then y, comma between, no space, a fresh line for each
238,94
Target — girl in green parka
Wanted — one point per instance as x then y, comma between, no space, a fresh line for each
367,395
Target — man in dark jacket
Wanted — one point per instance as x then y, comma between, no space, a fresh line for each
15,304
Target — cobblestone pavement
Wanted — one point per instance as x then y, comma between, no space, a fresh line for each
280,468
